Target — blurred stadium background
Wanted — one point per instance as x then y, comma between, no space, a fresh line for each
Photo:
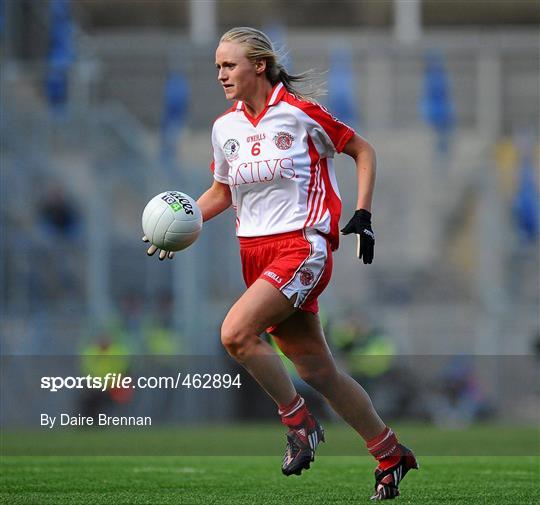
105,103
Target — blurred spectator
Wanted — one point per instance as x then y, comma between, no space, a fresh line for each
526,205
367,351
60,55
56,86
129,326
160,338
459,400
436,104
175,109
370,356
59,228
58,215
102,356
507,159
342,99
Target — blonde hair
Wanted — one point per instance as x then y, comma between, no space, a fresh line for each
259,47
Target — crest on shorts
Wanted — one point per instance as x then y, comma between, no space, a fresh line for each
306,276
283,140
231,149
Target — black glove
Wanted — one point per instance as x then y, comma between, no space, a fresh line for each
360,224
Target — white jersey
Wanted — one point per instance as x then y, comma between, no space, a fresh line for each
279,166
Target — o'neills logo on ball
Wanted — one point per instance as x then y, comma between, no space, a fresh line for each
177,202
283,140
231,149
306,276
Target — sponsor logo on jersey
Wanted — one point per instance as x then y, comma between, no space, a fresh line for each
177,202
306,276
274,276
256,138
283,140
262,171
231,149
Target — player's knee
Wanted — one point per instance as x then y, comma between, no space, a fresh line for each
235,340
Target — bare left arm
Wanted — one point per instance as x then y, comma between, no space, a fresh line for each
363,154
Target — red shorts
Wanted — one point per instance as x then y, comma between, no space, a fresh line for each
297,263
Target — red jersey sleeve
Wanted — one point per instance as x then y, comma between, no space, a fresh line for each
329,133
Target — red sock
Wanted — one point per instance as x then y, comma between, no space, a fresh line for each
296,414
384,448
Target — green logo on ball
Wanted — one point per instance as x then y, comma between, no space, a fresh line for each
177,201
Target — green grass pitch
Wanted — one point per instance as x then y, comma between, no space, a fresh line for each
253,480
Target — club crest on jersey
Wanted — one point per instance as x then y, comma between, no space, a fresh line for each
306,276
283,140
231,149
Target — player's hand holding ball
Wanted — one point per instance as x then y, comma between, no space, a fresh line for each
171,221
360,224
162,253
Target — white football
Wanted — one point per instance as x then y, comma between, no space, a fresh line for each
172,221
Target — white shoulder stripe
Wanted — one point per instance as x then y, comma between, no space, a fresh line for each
272,100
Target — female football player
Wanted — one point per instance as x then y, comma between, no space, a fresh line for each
273,154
